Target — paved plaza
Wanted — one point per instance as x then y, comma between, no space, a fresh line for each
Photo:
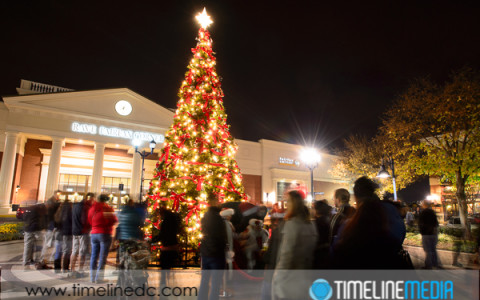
15,279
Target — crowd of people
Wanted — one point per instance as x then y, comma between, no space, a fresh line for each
369,236
72,232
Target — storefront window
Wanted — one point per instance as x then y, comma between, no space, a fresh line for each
118,194
81,184
73,183
111,185
285,186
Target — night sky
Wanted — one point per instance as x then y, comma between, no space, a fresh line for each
293,71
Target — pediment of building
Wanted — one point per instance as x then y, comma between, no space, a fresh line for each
97,104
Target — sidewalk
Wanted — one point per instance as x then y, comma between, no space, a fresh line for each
446,258
416,253
9,219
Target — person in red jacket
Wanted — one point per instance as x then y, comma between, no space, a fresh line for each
102,218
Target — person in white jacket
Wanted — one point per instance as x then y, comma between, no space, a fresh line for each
227,214
255,237
299,238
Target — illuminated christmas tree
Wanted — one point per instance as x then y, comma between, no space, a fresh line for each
198,157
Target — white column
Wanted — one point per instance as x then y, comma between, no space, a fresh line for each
43,183
21,141
54,166
136,176
7,169
98,168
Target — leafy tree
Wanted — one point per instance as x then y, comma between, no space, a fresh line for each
362,156
436,130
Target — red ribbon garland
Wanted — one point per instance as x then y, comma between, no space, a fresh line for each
177,198
217,153
199,183
194,209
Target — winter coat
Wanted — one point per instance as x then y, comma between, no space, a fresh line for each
427,222
366,241
65,220
52,206
102,218
322,224
298,243
34,218
271,256
344,213
214,241
79,218
396,223
169,229
129,224
296,253
255,238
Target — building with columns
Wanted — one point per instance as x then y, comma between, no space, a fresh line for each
52,138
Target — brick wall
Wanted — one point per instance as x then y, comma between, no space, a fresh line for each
253,187
31,169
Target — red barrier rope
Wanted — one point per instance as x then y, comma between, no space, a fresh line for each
249,277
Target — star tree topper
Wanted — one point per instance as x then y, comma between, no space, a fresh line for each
204,19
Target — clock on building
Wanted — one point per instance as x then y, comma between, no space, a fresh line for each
123,107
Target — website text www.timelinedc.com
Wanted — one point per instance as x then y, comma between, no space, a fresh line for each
111,290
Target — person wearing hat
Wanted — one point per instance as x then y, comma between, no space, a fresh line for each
254,239
227,214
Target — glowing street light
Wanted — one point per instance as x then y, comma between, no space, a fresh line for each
383,173
310,158
143,154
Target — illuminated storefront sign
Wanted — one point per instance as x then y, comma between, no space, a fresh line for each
288,162
116,132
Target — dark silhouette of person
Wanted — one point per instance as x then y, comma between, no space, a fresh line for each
169,229
428,225
341,197
212,251
366,241
322,223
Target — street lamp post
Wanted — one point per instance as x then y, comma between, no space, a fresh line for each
383,173
143,154
310,158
